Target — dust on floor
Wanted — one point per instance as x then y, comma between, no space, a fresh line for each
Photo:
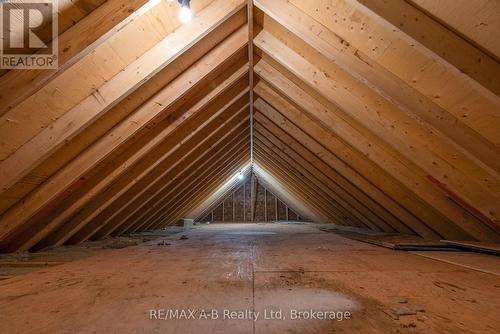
252,278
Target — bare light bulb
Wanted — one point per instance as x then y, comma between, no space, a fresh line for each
185,14
240,176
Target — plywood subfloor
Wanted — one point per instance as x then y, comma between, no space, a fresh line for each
252,267
15,264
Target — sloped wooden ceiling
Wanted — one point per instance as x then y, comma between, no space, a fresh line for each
370,113
386,113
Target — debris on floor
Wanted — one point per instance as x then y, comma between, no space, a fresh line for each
284,273
121,242
395,241
14,264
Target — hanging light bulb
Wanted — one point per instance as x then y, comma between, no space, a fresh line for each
185,13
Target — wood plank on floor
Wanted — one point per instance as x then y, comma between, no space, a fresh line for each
492,248
481,262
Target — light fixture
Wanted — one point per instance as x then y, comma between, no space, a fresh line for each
240,176
185,13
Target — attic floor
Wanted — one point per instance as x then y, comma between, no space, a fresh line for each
252,267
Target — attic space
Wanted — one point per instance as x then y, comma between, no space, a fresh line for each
249,166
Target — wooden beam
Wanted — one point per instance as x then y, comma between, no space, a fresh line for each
195,124
301,189
333,119
446,42
200,163
73,44
250,10
377,179
39,147
314,196
333,197
309,194
194,190
201,198
221,194
72,149
155,217
463,18
184,140
138,176
99,222
145,115
378,78
198,194
341,196
408,137
281,190
183,182
128,209
295,195
410,60
199,166
194,198
355,186
215,199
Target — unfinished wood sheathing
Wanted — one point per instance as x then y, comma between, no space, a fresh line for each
476,21
101,65
235,199
281,211
137,218
238,195
314,178
73,149
217,213
234,184
405,173
293,197
333,180
374,114
470,103
238,202
280,171
329,204
156,177
98,101
344,58
200,199
222,66
220,152
367,71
